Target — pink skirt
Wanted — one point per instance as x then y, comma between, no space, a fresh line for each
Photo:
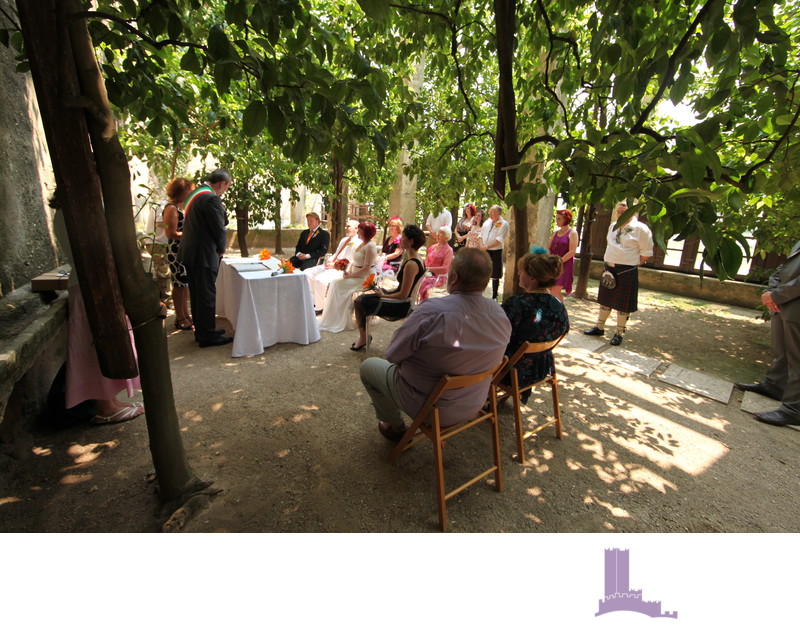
84,379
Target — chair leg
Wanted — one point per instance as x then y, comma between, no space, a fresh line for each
498,484
439,467
517,415
556,408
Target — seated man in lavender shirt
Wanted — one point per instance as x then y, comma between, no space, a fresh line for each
459,334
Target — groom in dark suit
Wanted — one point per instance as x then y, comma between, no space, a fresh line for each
782,382
201,248
312,244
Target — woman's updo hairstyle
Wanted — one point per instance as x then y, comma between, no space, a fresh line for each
415,235
544,268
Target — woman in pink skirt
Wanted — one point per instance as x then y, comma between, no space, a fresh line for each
564,243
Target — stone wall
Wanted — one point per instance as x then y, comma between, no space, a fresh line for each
26,243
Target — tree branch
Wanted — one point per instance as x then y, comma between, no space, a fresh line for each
551,38
158,44
535,141
10,19
791,128
638,126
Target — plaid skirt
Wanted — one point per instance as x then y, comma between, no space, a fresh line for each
624,296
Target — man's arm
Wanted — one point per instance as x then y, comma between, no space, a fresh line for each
216,220
405,341
298,249
324,242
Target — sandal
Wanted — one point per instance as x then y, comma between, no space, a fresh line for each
184,327
353,346
127,413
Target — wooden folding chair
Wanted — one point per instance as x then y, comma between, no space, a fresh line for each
514,391
437,434
412,300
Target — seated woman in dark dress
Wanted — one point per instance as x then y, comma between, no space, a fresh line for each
410,272
536,316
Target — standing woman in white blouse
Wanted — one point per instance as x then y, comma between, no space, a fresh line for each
494,235
628,246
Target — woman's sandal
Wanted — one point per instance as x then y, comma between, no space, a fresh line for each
187,327
353,346
127,413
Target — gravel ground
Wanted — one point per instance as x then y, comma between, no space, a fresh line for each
290,438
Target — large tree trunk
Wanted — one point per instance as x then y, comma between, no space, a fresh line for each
242,228
66,46
47,45
140,294
585,257
507,154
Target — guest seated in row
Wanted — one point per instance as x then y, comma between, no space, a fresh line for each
410,272
460,334
474,238
312,244
320,276
536,315
437,262
391,246
338,311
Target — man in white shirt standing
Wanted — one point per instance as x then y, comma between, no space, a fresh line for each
494,234
434,224
628,246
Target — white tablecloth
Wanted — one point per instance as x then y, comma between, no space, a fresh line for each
264,309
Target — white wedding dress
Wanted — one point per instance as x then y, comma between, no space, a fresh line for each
338,313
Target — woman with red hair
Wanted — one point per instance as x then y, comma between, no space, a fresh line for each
338,312
564,243
464,225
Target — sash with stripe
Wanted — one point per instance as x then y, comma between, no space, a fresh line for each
201,190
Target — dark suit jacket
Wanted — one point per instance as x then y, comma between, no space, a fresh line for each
317,247
785,286
203,240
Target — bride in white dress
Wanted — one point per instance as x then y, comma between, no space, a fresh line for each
338,312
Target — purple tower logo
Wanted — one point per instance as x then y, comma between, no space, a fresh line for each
619,595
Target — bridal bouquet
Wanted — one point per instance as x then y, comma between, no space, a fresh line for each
265,255
341,264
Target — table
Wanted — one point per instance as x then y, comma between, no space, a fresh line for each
264,309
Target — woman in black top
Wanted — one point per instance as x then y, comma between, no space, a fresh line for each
410,272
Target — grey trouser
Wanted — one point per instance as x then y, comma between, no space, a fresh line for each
380,379
783,377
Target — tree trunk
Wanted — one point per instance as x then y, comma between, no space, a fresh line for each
585,257
242,228
75,56
506,152
338,215
47,45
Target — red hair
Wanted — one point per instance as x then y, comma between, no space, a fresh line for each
368,230
566,213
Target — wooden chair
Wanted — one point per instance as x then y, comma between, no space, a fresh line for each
419,431
413,300
514,391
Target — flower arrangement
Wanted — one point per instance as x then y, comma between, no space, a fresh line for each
286,266
370,282
265,255
341,264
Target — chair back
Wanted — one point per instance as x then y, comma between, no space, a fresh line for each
528,348
413,297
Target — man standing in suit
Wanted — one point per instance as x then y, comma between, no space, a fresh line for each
312,244
782,298
202,246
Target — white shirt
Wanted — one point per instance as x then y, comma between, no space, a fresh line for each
491,233
626,245
442,220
